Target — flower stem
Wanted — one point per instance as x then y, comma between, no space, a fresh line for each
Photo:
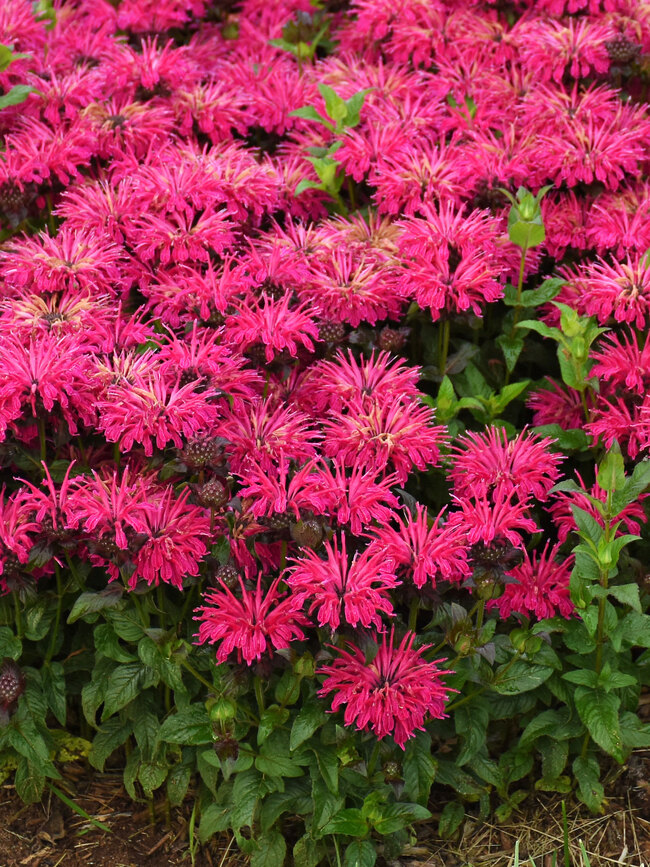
443,345
57,619
259,693
195,674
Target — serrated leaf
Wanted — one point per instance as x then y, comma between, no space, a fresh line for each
511,347
151,776
520,677
347,821
418,768
247,788
360,853
328,766
272,718
308,112
272,850
178,781
395,817
587,773
599,712
54,690
306,852
125,683
10,645
627,594
188,727
111,736
310,717
451,818
541,328
29,781
90,603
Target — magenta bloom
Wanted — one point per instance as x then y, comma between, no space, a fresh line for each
485,519
390,695
523,466
251,625
151,411
541,586
425,548
358,590
175,544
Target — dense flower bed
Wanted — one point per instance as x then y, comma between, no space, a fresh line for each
323,406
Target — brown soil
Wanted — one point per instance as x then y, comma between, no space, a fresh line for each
53,835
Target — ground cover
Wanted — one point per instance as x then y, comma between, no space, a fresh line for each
324,363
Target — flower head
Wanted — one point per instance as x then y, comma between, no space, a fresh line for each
391,694
253,624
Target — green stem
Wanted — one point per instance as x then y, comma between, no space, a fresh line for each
57,619
160,597
337,850
413,614
259,693
40,423
466,698
443,345
517,314
480,614
585,407
196,674
374,756
18,615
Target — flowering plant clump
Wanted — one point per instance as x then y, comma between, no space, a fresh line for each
324,411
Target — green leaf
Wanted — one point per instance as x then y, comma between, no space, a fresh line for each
108,644
354,106
272,718
215,819
418,768
111,736
306,184
247,789
90,603
544,293
587,773
395,817
306,852
584,677
287,690
627,594
555,723
125,683
326,804
541,328
274,765
573,439
520,677
178,781
587,524
360,853
611,470
29,781
17,94
272,850
10,645
599,712
54,690
348,821
188,727
310,717
451,817
511,347
471,722
308,112
334,104
151,776
328,766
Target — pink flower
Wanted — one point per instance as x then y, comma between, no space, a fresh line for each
523,466
253,624
486,519
274,323
385,433
392,694
426,549
151,411
174,545
619,289
357,590
621,362
540,586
